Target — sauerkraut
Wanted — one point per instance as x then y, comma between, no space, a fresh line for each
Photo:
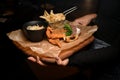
35,27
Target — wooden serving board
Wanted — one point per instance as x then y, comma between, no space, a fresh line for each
64,54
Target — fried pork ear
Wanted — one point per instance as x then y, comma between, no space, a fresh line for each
55,42
54,35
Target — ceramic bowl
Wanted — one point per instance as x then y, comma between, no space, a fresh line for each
35,30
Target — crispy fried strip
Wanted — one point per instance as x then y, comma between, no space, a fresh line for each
55,33
55,42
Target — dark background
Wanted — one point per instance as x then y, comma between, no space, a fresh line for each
17,13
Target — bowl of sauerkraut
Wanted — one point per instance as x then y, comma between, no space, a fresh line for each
35,31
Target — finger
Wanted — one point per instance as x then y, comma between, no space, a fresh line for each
40,62
65,62
62,62
31,59
58,61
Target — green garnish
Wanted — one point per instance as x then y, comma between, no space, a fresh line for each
68,29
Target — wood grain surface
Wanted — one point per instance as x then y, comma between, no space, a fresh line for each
64,54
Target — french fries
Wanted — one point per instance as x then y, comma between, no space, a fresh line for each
52,18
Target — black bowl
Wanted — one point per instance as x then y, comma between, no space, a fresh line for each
35,35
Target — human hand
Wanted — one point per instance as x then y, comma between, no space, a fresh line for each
37,60
58,61
85,20
62,62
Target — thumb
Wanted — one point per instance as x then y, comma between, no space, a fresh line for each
62,62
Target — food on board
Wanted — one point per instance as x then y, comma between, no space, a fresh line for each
66,34
59,28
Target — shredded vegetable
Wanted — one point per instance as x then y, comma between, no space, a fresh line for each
68,29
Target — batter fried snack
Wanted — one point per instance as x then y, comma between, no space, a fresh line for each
54,35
